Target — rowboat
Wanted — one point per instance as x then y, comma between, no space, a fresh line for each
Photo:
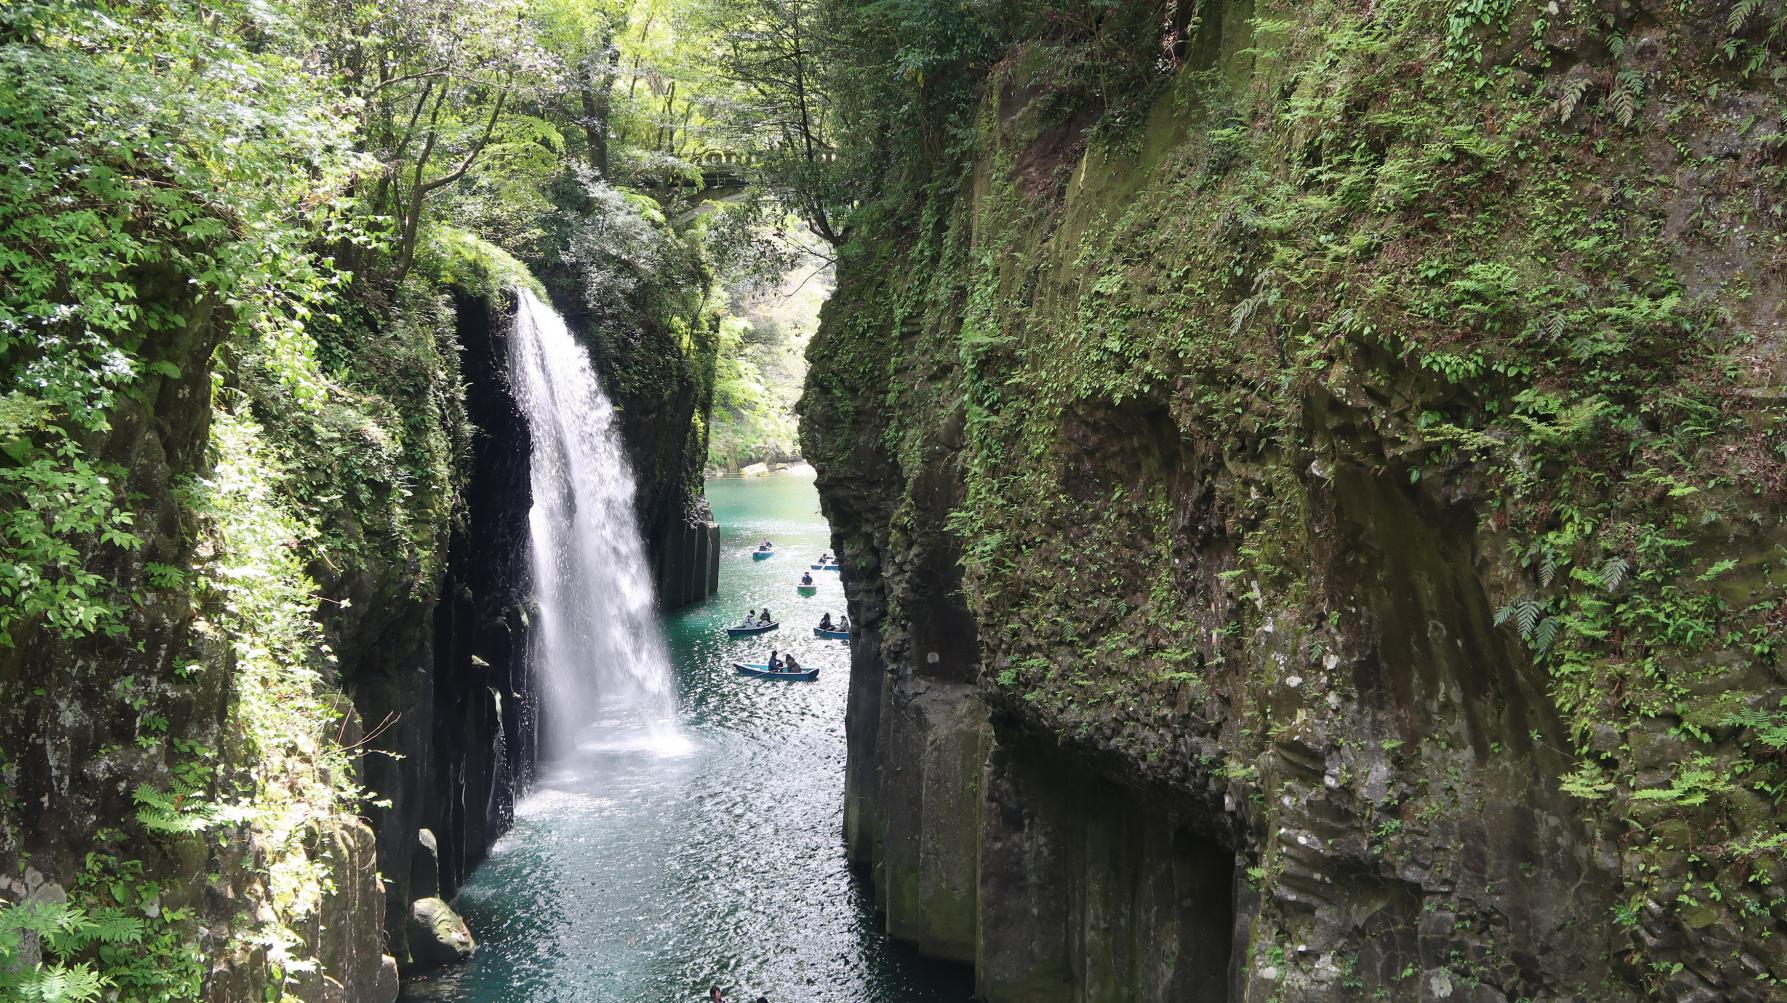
763,672
762,555
836,635
823,567
753,629
807,590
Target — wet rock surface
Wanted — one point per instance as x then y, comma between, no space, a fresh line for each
442,677
437,935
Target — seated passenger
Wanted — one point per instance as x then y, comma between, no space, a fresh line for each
764,621
825,623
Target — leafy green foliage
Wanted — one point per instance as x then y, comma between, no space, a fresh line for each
113,938
114,211
60,929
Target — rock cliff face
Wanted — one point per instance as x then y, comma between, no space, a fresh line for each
654,350
1284,562
294,557
442,674
120,750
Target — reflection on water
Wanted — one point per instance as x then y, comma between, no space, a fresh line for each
647,866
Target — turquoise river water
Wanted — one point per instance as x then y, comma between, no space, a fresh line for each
651,865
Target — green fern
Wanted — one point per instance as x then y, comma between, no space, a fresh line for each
168,814
1627,94
1741,13
1568,99
1588,782
1695,783
1767,728
60,929
77,983
1613,573
1548,568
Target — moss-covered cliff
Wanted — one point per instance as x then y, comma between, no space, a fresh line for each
263,486
192,784
284,692
639,294
1310,482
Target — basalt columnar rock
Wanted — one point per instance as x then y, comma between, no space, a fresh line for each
442,672
1310,494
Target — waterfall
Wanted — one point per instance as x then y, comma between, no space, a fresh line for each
596,644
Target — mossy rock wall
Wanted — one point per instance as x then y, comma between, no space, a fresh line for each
655,349
1359,451
143,784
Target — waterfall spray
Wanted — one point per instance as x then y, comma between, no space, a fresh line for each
597,646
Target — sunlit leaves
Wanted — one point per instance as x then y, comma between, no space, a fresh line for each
153,169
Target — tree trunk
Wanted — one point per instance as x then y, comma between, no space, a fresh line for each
598,106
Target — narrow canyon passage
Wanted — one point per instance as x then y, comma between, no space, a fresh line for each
647,866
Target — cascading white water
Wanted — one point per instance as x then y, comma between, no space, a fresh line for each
596,642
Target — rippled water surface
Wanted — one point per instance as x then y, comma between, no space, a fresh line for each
651,865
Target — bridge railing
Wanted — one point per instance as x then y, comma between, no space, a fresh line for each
744,158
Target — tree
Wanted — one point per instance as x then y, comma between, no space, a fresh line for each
771,52
584,35
433,80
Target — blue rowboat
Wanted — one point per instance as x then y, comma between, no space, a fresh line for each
807,590
823,567
836,635
763,672
742,631
762,555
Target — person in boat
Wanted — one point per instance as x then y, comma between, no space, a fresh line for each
825,623
789,664
752,615
713,995
775,661
766,545
844,623
825,558
764,620
807,578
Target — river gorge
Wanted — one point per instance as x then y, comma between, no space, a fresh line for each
1308,481
647,866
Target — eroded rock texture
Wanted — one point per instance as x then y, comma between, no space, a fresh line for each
1284,563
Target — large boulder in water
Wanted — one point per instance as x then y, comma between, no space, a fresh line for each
437,935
